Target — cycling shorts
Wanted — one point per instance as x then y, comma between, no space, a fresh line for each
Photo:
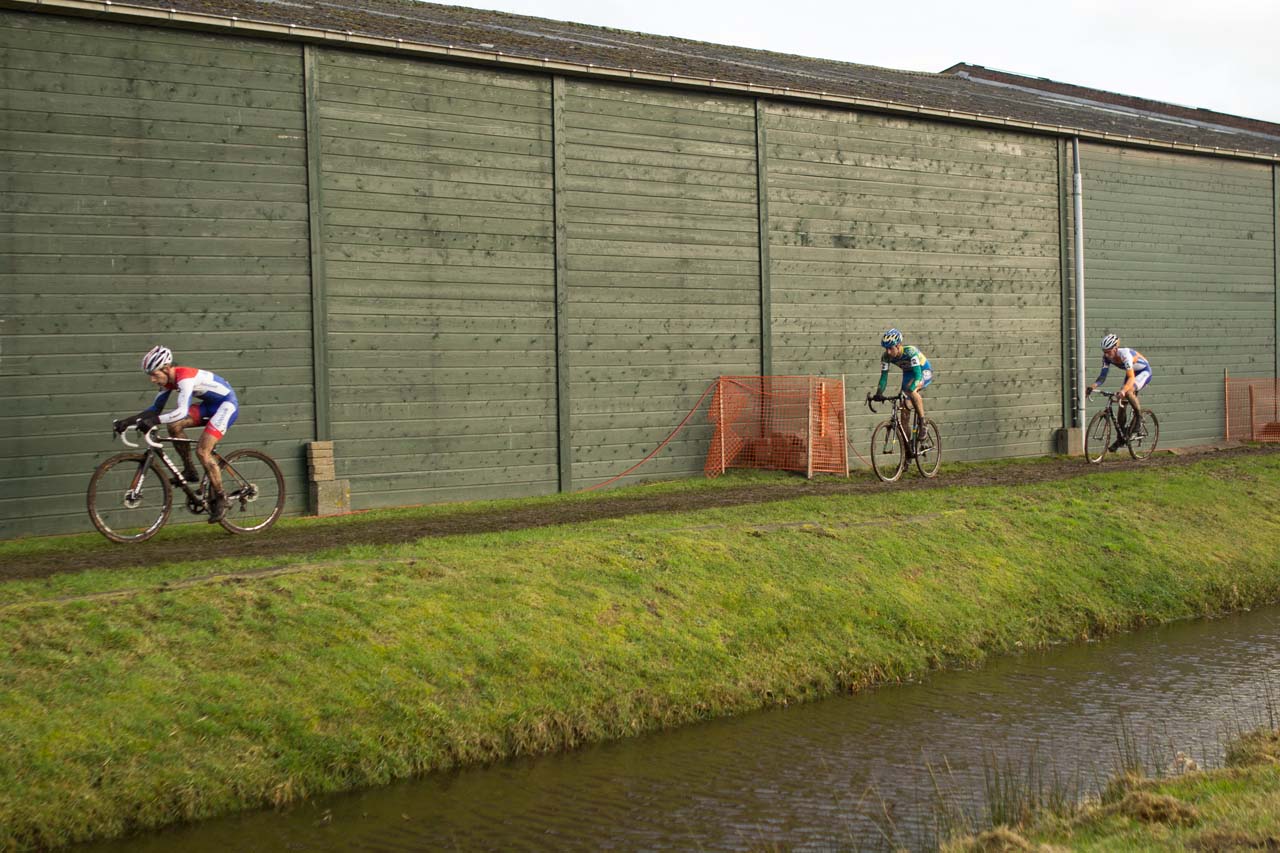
1140,380
216,416
926,377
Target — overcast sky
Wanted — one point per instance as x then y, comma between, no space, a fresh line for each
1223,55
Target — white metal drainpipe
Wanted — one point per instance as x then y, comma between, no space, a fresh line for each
1079,229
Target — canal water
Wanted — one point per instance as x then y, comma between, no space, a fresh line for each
853,772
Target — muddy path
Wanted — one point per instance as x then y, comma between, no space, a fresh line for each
355,530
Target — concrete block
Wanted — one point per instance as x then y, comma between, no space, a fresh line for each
318,450
321,471
332,497
1070,442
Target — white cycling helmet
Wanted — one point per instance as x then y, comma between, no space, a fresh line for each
1110,341
156,358
891,338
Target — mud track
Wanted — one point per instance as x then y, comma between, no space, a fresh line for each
357,531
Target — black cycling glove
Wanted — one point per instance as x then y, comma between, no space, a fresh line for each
147,420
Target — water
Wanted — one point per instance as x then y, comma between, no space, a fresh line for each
847,773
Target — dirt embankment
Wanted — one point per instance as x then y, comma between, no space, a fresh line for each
291,541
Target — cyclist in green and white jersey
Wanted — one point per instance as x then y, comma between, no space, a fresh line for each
917,374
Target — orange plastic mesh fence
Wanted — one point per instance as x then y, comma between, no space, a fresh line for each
788,423
1253,409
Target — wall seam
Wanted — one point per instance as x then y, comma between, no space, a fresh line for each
762,203
315,221
563,414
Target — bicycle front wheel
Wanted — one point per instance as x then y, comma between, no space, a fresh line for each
1097,438
129,500
1142,445
929,449
255,491
888,456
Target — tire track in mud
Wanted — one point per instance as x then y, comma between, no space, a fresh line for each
282,542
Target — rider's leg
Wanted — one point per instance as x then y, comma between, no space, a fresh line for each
917,403
177,429
217,499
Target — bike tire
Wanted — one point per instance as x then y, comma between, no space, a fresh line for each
1097,439
888,456
929,451
106,498
248,478
1142,446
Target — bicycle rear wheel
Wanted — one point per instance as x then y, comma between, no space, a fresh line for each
1142,445
929,449
888,456
1098,437
255,491
129,500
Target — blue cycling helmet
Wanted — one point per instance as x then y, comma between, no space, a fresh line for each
891,338
1110,341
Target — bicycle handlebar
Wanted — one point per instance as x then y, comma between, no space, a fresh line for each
145,437
871,397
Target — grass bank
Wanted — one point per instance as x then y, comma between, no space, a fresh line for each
132,699
1233,808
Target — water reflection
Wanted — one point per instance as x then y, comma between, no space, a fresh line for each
847,773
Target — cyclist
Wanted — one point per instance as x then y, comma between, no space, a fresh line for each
1137,373
204,399
917,374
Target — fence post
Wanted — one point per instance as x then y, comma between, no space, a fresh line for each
844,427
809,437
720,425
1253,418
1226,402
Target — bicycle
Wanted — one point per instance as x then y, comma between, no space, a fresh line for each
1141,441
131,494
891,447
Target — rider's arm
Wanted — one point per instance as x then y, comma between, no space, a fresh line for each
917,372
1102,377
179,411
157,405
884,375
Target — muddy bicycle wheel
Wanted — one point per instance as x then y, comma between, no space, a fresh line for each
255,491
929,449
1097,439
888,456
1142,445
129,500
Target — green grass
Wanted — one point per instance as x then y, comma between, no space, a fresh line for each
1234,808
358,666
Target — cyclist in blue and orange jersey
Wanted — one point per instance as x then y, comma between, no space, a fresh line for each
1137,373
204,399
917,374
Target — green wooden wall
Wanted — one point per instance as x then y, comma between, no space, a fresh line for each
152,190
484,283
663,279
440,285
948,233
1180,263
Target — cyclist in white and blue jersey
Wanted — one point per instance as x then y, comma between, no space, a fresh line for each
1137,373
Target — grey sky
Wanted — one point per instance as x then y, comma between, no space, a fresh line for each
1224,56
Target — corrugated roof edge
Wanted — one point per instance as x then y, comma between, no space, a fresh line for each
1045,84
157,16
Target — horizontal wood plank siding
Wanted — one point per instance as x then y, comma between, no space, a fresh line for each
439,254
152,190
948,233
662,268
1180,263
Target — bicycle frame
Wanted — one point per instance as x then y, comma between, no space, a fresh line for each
895,415
155,449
